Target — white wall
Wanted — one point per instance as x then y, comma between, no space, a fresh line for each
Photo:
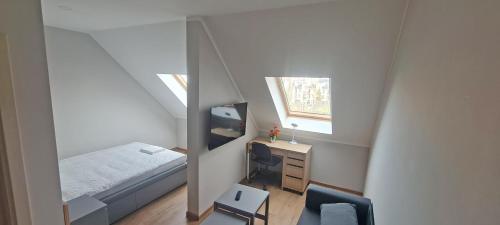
97,104
33,161
353,40
435,158
223,166
181,126
147,50
194,131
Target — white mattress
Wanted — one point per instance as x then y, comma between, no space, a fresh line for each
107,171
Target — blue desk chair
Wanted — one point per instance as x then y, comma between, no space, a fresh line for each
261,154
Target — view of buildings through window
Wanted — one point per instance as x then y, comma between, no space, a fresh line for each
306,97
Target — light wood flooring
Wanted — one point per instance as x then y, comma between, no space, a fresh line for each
285,208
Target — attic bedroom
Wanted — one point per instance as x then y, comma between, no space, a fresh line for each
119,110
249,112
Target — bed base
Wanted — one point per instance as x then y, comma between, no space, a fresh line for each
132,198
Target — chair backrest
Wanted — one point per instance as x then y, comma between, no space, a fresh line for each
261,152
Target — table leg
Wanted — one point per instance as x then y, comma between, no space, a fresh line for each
267,211
252,220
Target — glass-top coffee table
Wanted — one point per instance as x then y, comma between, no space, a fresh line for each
250,202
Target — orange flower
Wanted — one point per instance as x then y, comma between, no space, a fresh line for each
275,131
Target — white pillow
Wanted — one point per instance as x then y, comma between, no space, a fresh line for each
152,149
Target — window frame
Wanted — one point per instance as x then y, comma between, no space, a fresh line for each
181,81
291,113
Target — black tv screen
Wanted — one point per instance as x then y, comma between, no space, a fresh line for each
227,123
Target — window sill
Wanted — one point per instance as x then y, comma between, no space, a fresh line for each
311,125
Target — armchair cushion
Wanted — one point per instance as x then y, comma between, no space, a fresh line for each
338,214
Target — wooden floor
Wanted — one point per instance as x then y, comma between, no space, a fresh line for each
285,208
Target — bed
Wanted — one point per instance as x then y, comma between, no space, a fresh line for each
123,177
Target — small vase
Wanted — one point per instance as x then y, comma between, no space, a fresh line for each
273,139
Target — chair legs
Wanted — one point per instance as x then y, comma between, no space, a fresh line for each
263,171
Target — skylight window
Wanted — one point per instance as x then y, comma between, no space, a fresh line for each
305,101
177,83
182,79
306,97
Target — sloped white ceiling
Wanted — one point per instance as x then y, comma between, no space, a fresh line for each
147,50
353,40
91,15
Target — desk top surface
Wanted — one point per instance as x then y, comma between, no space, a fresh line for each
282,144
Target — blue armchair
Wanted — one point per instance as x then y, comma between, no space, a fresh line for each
317,195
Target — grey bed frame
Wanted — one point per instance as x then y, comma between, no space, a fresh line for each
132,198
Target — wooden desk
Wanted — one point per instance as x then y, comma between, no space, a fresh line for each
296,168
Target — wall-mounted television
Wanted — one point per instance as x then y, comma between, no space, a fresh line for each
227,123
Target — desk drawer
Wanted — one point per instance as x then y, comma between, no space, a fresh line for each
296,155
293,183
295,171
295,162
275,151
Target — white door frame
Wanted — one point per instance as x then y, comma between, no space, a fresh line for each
12,172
